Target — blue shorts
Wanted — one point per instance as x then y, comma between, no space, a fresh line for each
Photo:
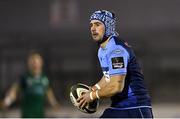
142,112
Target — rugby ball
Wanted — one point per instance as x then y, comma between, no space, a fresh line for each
76,91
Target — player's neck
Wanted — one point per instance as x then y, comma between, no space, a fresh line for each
103,45
36,73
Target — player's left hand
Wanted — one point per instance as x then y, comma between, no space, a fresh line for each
84,99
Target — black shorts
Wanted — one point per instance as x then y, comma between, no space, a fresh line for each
141,112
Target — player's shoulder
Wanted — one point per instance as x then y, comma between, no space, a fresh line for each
112,44
116,46
44,76
45,79
119,42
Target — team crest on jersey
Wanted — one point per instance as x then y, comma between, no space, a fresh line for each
117,62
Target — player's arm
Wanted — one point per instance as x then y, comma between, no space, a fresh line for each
117,61
115,86
101,83
51,98
11,96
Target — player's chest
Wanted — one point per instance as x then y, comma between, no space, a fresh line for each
34,83
103,58
34,86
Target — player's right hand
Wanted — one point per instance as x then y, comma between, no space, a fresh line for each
92,88
3,106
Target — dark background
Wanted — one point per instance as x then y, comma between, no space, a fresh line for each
59,30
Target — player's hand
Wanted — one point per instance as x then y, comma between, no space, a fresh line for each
3,106
92,88
84,99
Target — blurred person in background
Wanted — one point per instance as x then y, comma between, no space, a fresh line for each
123,79
33,88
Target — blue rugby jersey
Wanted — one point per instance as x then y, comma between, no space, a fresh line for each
117,58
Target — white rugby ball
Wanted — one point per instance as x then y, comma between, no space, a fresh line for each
76,91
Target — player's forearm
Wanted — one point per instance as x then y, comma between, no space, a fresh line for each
11,96
51,98
110,90
53,102
115,86
100,84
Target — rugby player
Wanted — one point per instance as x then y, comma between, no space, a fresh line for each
123,80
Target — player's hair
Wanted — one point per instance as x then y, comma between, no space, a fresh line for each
35,54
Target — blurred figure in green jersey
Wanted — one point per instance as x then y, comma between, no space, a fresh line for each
33,88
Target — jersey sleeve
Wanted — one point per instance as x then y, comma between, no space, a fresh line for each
118,60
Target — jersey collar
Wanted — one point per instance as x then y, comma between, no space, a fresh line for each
106,43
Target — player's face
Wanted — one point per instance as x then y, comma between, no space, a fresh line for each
97,30
35,65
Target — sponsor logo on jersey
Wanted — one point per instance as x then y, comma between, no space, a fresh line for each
117,62
118,51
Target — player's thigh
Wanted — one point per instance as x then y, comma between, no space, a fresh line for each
147,112
113,113
141,113
129,113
